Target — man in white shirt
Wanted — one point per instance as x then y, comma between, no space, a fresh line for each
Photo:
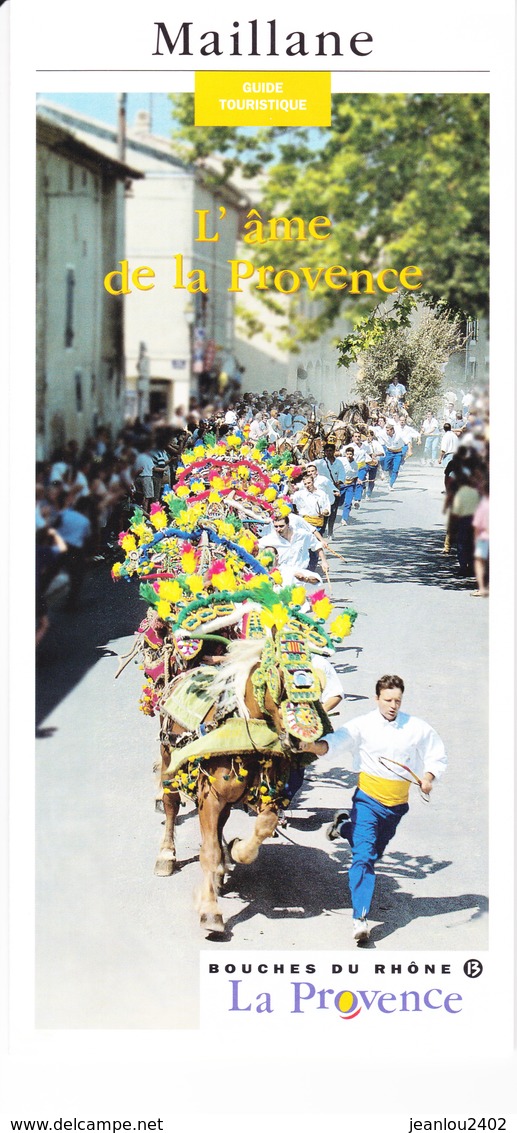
351,472
332,467
390,750
397,390
449,446
257,427
311,503
293,540
431,431
394,446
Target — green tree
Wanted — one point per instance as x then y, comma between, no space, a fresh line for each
402,177
412,349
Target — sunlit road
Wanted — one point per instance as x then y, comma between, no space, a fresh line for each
117,946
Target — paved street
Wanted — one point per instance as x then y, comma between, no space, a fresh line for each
115,943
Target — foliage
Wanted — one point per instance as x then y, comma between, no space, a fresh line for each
413,350
402,177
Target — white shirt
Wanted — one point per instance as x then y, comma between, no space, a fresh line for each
332,469
406,739
450,443
333,686
351,470
311,503
393,443
430,427
257,430
295,551
407,432
324,484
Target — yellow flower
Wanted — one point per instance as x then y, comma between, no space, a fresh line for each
197,486
256,454
216,482
129,543
341,626
116,569
276,477
170,590
233,441
277,577
280,615
163,609
214,498
283,508
188,458
188,562
246,540
254,490
226,580
159,519
257,581
220,449
226,529
322,608
195,584
243,472
298,595
199,452
270,494
140,529
182,490
245,449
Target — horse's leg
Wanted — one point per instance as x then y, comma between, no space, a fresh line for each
216,797
246,850
166,860
212,816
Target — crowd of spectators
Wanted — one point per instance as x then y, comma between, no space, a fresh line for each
84,496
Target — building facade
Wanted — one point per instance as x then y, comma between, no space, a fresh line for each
79,327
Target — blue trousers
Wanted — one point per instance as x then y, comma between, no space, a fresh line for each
370,827
431,448
360,482
347,496
372,473
392,463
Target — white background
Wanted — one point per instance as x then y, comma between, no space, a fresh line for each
391,1071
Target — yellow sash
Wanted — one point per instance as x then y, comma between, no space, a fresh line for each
389,792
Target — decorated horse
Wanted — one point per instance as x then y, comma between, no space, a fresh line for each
231,736
230,652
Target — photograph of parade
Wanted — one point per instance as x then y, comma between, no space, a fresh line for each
262,542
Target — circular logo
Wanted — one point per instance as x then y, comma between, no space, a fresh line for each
346,1003
472,968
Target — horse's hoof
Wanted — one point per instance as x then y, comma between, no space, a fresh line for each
211,922
164,867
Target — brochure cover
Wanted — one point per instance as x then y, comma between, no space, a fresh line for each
259,301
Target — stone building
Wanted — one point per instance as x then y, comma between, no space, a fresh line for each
79,327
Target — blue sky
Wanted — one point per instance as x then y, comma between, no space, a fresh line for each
103,106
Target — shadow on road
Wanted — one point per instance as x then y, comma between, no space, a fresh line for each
76,641
293,882
408,555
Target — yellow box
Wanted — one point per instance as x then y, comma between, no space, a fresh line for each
262,98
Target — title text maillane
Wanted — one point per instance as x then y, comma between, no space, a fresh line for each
257,39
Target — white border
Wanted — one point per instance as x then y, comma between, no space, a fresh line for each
108,1074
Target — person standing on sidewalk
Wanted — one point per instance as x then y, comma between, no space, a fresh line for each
412,751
